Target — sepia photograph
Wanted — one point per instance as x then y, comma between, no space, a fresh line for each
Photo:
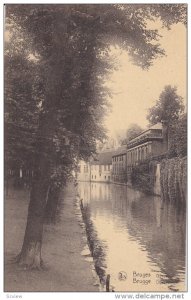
95,148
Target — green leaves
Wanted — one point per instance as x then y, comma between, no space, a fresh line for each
168,107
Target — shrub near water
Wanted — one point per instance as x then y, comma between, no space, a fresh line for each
173,180
96,246
143,176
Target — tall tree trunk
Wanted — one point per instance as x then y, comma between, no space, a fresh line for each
30,255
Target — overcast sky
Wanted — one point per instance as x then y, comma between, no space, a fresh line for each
135,90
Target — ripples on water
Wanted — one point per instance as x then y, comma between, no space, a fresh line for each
138,235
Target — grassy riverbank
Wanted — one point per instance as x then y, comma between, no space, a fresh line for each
66,269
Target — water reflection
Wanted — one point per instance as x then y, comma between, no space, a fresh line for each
142,235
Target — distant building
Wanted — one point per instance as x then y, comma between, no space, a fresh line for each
119,165
101,167
97,170
116,165
108,145
83,172
151,142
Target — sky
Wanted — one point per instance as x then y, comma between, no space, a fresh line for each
135,90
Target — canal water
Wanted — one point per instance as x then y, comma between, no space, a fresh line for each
143,239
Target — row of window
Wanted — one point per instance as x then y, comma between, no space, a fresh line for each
95,167
138,154
134,155
86,169
117,168
105,177
102,167
119,158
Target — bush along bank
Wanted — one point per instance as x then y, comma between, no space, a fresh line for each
143,176
173,179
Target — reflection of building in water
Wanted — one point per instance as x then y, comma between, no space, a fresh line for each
156,227
100,191
84,190
160,228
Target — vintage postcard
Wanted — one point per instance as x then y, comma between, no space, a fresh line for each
95,119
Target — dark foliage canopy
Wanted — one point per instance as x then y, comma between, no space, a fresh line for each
56,61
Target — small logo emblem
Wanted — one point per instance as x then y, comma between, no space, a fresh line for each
122,275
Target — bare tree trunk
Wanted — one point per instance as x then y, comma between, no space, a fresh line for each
30,255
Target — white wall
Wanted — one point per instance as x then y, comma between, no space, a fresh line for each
101,173
84,171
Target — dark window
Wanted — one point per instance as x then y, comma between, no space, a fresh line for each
85,169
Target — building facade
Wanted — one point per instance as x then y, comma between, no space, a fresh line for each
150,143
83,172
97,170
101,167
116,165
119,165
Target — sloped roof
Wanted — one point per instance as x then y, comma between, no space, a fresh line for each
149,133
120,150
103,158
156,126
